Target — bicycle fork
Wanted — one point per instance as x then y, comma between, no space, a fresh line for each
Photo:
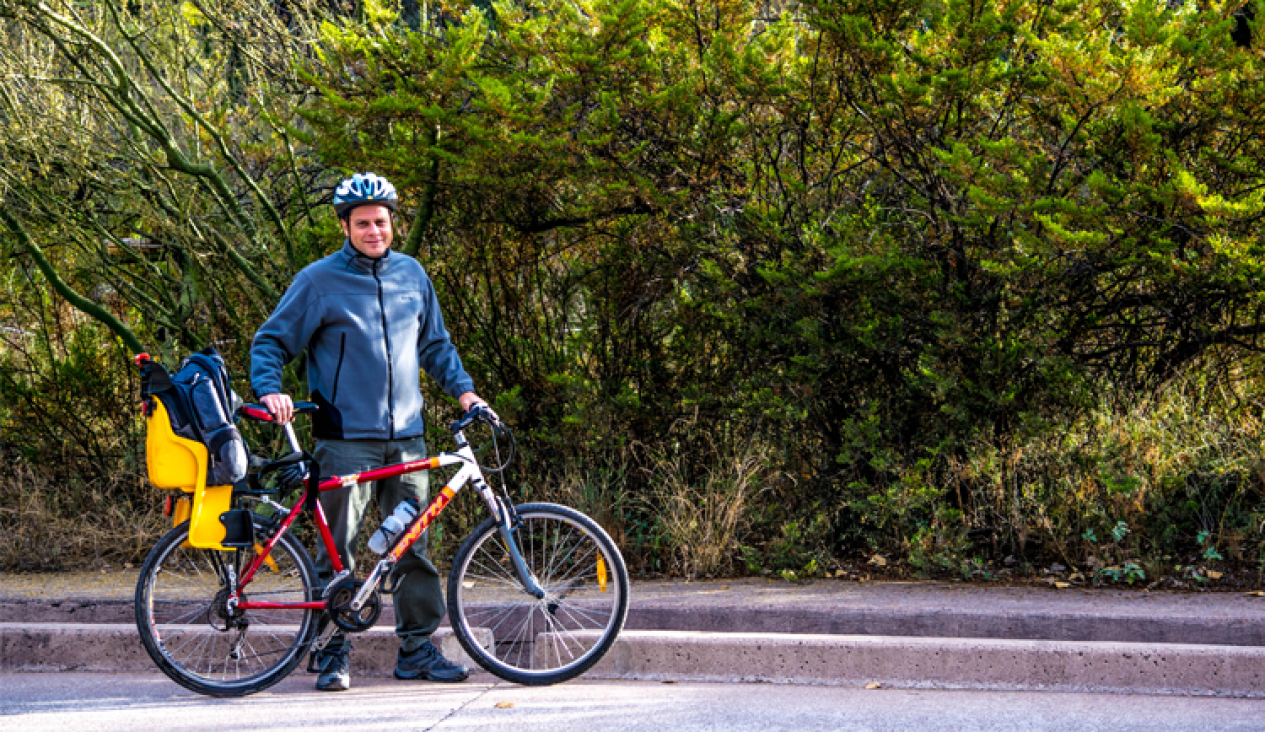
507,527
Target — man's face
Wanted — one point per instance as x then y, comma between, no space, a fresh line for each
369,229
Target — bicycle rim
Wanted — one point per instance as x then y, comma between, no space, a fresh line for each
548,640
188,631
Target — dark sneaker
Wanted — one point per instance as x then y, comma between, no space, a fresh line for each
429,664
335,670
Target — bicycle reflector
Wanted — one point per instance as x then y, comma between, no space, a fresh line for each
272,563
601,573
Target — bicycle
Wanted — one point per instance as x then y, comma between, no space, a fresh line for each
228,602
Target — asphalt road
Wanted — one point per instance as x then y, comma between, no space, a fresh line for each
144,702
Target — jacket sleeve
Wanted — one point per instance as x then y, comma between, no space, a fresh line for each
435,351
284,336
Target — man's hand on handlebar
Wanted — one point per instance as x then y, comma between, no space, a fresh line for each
280,405
470,401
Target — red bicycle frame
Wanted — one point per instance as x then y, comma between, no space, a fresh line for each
464,457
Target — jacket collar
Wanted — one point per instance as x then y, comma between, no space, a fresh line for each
352,259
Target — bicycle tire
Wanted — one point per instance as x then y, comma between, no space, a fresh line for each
536,642
183,624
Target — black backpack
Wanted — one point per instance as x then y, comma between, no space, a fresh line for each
202,406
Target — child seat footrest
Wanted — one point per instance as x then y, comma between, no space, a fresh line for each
239,531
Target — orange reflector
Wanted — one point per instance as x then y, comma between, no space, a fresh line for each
601,573
268,560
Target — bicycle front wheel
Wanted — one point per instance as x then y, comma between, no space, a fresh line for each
192,635
547,640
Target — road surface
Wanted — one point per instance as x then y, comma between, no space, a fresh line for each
71,702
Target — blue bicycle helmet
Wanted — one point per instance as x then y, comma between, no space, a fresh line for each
362,189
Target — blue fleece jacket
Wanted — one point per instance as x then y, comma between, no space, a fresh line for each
368,326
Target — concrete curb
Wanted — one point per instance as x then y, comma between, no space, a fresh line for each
937,663
898,662
1142,626
935,622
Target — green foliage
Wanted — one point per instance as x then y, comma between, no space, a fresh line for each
973,279
142,153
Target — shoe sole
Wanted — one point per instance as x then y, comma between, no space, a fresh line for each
337,686
422,676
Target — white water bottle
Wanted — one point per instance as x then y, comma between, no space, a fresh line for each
384,537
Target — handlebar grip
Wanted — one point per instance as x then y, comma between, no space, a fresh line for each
260,413
257,412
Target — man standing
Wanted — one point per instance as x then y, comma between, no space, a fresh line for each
369,321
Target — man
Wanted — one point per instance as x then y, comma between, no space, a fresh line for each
368,319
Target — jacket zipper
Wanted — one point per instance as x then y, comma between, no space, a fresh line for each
342,349
386,338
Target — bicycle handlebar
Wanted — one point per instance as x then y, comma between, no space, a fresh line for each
479,413
260,413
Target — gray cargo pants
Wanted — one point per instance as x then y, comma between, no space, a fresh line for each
419,599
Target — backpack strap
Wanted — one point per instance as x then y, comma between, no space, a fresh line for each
154,381
154,378
313,494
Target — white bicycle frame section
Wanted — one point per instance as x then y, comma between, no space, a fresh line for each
468,472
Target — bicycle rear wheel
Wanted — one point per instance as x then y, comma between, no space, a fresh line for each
188,630
551,639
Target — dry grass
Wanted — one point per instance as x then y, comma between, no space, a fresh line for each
598,489
1183,462
701,518
48,527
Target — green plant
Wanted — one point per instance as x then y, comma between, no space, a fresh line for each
1128,572
1210,552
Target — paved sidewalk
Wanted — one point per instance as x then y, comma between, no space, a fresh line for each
96,702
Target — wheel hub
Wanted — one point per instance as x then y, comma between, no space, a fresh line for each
221,617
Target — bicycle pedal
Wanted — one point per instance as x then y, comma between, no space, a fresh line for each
319,646
325,630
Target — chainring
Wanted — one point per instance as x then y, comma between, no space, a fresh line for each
339,597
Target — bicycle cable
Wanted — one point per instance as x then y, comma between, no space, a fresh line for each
500,471
496,448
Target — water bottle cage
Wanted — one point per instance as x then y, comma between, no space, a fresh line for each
387,539
393,527
389,583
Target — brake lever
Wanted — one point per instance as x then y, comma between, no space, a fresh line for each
479,413
492,418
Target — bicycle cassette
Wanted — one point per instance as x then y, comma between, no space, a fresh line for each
339,596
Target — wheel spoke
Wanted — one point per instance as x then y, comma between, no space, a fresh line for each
539,640
189,632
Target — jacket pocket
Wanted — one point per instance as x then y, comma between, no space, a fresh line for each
327,421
